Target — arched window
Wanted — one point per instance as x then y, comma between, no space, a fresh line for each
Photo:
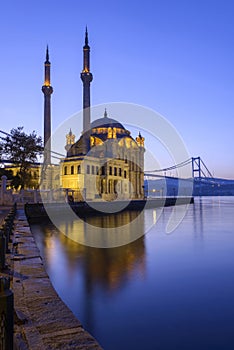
65,170
72,169
78,169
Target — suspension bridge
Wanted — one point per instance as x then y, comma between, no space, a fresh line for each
199,170
201,181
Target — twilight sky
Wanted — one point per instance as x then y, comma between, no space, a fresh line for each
173,56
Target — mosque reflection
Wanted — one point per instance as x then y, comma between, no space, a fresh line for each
106,231
99,265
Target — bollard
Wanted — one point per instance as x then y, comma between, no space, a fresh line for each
6,314
8,228
14,207
10,218
10,225
2,250
5,230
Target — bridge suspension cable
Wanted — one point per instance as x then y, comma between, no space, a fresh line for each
199,168
179,165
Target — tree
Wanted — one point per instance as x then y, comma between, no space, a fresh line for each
15,179
22,150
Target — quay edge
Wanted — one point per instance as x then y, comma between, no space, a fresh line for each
35,211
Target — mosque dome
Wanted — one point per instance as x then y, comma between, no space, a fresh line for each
101,130
106,122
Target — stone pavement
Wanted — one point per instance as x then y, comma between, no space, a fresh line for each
42,320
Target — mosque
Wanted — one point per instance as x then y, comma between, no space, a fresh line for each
106,163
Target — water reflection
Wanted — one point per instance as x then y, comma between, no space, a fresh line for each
160,291
110,270
110,267
103,231
198,217
83,269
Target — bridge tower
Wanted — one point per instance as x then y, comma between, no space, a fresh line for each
200,168
196,166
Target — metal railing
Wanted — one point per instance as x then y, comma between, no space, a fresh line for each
6,295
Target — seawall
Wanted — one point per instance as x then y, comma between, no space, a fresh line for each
42,320
36,211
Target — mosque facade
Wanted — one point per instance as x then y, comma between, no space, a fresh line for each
105,163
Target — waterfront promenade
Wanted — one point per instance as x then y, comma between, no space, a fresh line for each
41,319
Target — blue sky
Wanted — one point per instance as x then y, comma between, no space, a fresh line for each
175,57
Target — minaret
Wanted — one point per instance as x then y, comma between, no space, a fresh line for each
47,91
86,77
70,138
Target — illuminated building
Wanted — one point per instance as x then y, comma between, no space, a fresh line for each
106,162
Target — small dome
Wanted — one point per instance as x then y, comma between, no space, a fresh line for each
80,147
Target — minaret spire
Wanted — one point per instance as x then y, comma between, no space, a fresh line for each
47,54
86,36
47,91
86,77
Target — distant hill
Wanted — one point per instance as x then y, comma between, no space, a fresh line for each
203,187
